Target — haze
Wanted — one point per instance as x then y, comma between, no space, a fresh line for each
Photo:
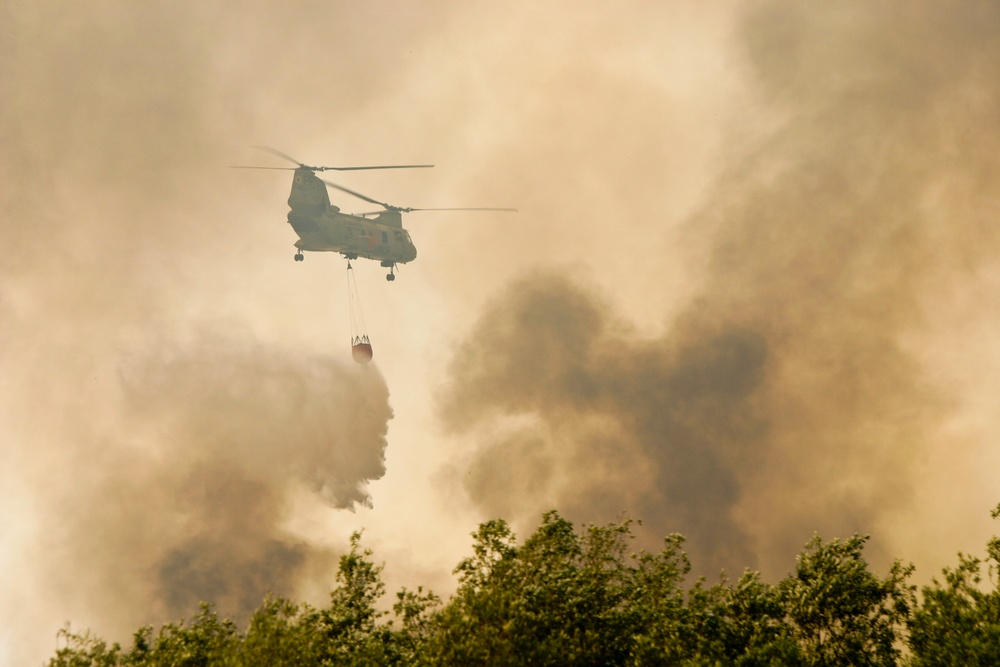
749,295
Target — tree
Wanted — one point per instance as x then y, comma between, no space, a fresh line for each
560,598
349,624
206,641
84,650
281,634
580,597
742,624
565,598
840,613
958,622
351,627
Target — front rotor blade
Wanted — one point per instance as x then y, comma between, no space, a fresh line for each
275,151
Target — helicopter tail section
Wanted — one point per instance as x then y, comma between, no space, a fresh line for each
308,194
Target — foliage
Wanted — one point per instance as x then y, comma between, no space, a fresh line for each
560,598
958,622
838,611
580,597
85,650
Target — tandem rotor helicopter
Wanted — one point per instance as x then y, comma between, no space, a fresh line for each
322,227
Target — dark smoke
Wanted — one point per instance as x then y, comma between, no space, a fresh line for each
189,501
786,398
644,427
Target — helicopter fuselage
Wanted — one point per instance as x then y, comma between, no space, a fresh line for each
352,236
322,227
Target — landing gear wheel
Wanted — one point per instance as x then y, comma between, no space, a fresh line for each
299,257
390,277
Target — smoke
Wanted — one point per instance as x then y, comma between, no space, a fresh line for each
789,395
170,398
175,478
655,428
188,498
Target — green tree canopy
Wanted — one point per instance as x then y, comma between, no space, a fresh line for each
958,620
569,596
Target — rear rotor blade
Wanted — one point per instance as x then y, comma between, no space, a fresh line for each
358,195
390,207
276,152
378,166
410,210
511,210
395,166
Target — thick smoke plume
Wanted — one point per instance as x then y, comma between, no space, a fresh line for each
658,429
188,498
787,397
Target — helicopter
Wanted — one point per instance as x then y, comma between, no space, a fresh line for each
322,227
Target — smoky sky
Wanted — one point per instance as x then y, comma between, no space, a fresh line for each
785,397
158,440
748,294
